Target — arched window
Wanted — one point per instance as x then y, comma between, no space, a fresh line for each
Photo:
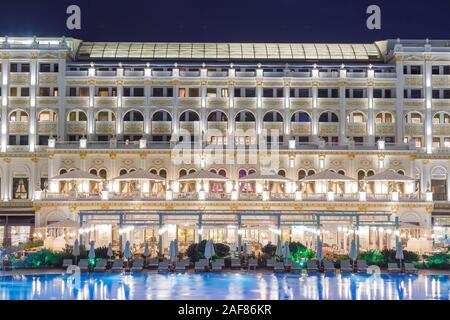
103,174
370,173
311,173
105,116
123,172
301,117
182,173
384,117
414,118
222,173
401,172
217,116
251,171
282,173
328,117
189,116
441,118
154,171
133,115
192,171
93,171
361,175
48,115
301,175
242,173
245,116
18,116
161,116
62,171
273,116
342,172
163,173
356,117
76,115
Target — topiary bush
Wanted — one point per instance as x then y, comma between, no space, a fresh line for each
196,251
222,250
439,261
269,250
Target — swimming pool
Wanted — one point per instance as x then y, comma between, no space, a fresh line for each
225,287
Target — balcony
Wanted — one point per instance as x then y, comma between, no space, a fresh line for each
161,74
77,102
221,126
48,128
437,103
217,102
190,102
358,75
192,127
357,102
246,74
76,73
47,102
301,128
105,127
328,102
385,129
246,126
107,102
356,129
18,127
161,127
132,73
48,78
442,129
190,74
161,102
301,102
329,129
76,127
134,101
384,103
329,74
385,75
106,73
414,80
217,74
19,102
274,74
133,127
269,103
274,126
249,103
414,129
19,78
300,74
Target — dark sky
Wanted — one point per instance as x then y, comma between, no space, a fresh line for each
229,20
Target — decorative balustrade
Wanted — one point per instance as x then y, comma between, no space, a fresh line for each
76,127
161,127
18,127
131,127
48,127
105,127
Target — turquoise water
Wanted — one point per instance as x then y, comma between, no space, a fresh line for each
225,287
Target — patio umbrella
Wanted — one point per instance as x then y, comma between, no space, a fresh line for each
389,176
399,253
172,251
92,250
208,252
127,252
319,253
327,176
244,248
213,251
110,251
353,251
286,251
76,250
140,175
279,251
77,175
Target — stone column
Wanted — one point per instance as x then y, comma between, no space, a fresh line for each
62,95
34,74
428,101
342,107
5,94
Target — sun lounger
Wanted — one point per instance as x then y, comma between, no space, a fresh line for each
393,268
137,266
311,267
270,263
67,263
217,266
164,266
153,264
328,267
235,263
252,264
410,268
200,266
221,262
84,265
346,266
181,266
294,268
361,266
100,266
117,266
279,267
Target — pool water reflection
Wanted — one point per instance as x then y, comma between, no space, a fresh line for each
225,287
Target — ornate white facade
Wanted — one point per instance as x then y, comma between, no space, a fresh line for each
112,108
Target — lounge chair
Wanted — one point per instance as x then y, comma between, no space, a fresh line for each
164,267
410,268
236,264
279,267
311,267
217,266
153,263
346,266
117,266
137,266
221,262
67,263
270,263
252,264
181,266
361,266
84,265
393,268
200,266
328,267
101,266
294,268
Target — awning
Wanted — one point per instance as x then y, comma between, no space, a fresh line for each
389,176
203,175
327,176
68,224
265,177
77,175
139,175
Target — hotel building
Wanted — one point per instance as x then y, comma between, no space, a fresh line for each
235,142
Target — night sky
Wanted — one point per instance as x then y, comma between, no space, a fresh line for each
229,20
